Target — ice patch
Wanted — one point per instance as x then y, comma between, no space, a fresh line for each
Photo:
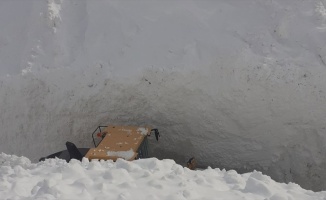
122,154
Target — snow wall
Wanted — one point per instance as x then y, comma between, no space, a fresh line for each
237,84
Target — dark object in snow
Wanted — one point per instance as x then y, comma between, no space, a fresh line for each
191,164
73,151
157,134
66,155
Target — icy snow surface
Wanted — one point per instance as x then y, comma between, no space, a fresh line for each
237,84
150,179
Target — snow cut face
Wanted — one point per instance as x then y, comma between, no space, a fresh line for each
122,154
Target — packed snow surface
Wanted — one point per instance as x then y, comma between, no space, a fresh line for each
237,84
150,179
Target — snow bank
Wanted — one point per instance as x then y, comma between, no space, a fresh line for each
237,84
122,154
140,179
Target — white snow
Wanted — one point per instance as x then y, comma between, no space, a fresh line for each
141,179
122,154
237,84
54,8
126,130
142,131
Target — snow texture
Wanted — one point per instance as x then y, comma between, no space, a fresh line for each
142,131
122,154
237,84
140,179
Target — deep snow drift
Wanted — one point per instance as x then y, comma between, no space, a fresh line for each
237,84
141,179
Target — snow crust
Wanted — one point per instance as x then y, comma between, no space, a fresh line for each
237,84
140,179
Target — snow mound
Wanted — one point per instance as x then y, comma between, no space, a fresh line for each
141,179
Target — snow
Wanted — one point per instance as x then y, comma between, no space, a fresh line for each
141,179
237,84
127,130
54,13
122,154
142,131
54,9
